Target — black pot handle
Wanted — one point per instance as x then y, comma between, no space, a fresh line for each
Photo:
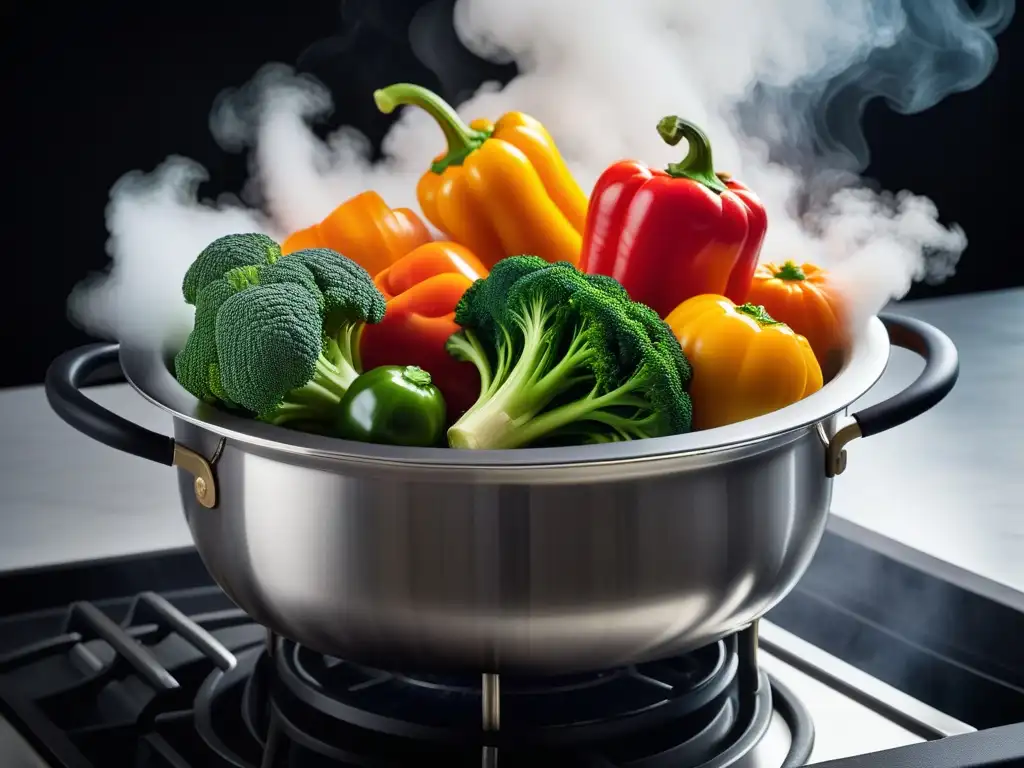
83,366
98,363
941,370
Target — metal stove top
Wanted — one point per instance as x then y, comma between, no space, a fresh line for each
172,681
142,662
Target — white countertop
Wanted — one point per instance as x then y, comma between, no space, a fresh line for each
950,483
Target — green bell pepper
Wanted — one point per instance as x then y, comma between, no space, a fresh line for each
393,405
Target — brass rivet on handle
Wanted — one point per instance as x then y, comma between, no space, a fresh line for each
203,485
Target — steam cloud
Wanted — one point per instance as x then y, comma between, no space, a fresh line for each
779,86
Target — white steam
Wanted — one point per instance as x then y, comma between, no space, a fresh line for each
779,85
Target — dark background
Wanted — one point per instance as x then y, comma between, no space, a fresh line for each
95,90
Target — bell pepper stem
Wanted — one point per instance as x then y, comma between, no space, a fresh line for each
698,165
416,375
462,140
790,271
758,313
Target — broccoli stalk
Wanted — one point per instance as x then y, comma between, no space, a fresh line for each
565,358
342,350
334,370
312,402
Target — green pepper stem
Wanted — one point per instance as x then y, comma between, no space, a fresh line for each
790,271
462,140
758,312
698,164
416,375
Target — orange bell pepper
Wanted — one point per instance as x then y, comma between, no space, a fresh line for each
366,230
501,189
745,363
422,289
801,297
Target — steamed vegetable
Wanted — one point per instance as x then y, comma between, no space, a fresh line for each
745,363
422,289
366,230
394,405
565,358
800,296
223,255
499,188
279,338
670,234
196,365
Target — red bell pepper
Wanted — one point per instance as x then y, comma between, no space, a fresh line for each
668,235
422,289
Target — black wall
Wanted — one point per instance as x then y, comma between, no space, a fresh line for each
94,90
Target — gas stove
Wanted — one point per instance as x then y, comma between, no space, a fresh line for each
143,662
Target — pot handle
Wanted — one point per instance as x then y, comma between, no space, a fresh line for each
941,369
96,364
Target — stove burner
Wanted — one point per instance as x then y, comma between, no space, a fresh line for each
302,708
548,711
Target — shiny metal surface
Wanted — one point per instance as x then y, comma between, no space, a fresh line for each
417,572
513,561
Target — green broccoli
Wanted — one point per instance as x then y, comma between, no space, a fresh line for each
279,338
350,300
565,358
223,255
195,366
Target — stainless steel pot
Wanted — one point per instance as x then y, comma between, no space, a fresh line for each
531,561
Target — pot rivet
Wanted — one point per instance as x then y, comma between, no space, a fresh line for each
200,486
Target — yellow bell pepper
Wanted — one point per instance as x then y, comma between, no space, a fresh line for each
745,364
501,189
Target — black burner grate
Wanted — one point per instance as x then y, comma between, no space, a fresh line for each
103,693
698,710
186,682
553,710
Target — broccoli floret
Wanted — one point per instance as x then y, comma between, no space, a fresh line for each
195,366
286,343
223,255
350,300
279,338
270,343
347,288
565,357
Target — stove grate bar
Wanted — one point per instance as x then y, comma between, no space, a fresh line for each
50,742
91,623
229,617
150,607
38,651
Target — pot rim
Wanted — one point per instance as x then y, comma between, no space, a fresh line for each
147,371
